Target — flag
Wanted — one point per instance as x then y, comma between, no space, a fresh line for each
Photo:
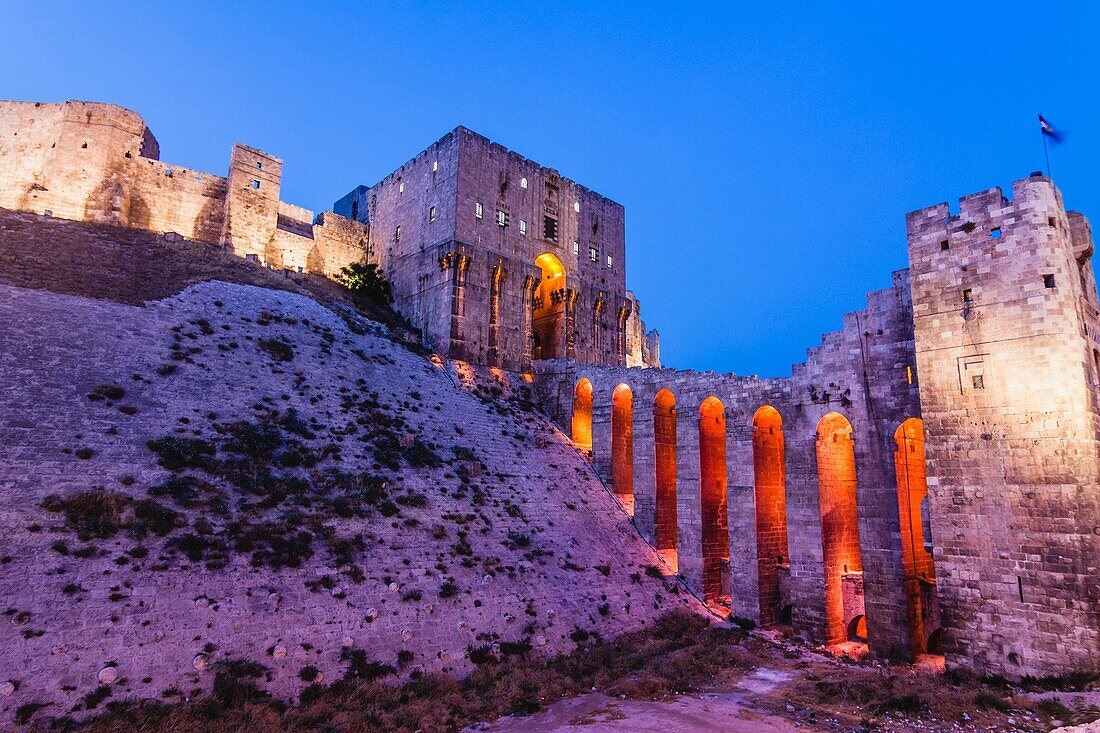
1049,131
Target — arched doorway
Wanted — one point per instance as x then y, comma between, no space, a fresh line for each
836,479
920,570
769,474
549,317
712,499
582,414
622,446
664,463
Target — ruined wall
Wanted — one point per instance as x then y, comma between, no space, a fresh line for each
1005,311
861,373
89,161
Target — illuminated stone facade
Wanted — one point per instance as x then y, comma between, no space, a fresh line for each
502,261
925,482
88,161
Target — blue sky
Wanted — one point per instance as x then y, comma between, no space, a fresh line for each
766,153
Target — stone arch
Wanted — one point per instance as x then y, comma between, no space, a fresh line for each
712,499
770,494
920,570
622,445
549,309
664,463
842,563
582,414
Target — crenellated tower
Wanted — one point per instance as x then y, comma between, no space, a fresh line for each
1006,322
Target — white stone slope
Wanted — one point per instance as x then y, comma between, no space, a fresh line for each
547,550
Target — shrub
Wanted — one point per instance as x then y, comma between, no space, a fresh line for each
278,349
95,513
366,284
106,392
177,453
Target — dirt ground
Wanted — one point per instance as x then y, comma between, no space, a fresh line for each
793,688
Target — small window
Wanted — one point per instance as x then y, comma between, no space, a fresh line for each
593,254
550,228
479,210
979,381
259,165
523,227
1048,281
968,296
577,206
576,248
397,234
168,173
502,218
523,183
1051,222
609,262
995,233
255,183
435,166
945,245
401,187
431,214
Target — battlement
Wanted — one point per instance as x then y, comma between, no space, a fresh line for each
90,161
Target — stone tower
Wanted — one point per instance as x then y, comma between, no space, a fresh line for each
1006,323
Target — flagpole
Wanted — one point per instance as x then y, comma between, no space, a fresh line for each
1046,152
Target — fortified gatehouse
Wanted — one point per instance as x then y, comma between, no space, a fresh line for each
503,261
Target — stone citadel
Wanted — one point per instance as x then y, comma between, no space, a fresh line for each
927,482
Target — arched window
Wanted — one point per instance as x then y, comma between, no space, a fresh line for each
664,463
770,494
622,445
712,499
582,414
549,319
916,558
836,479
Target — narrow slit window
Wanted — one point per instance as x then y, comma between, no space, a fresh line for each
431,214
479,210
502,218
397,234
523,183
401,187
523,227
968,295
576,248
593,254
609,262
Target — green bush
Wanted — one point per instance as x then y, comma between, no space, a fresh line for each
366,283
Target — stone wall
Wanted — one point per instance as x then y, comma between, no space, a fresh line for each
1005,311
861,373
88,161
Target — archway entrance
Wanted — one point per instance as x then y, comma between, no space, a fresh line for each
712,500
622,446
920,570
549,317
769,473
843,566
664,462
582,414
